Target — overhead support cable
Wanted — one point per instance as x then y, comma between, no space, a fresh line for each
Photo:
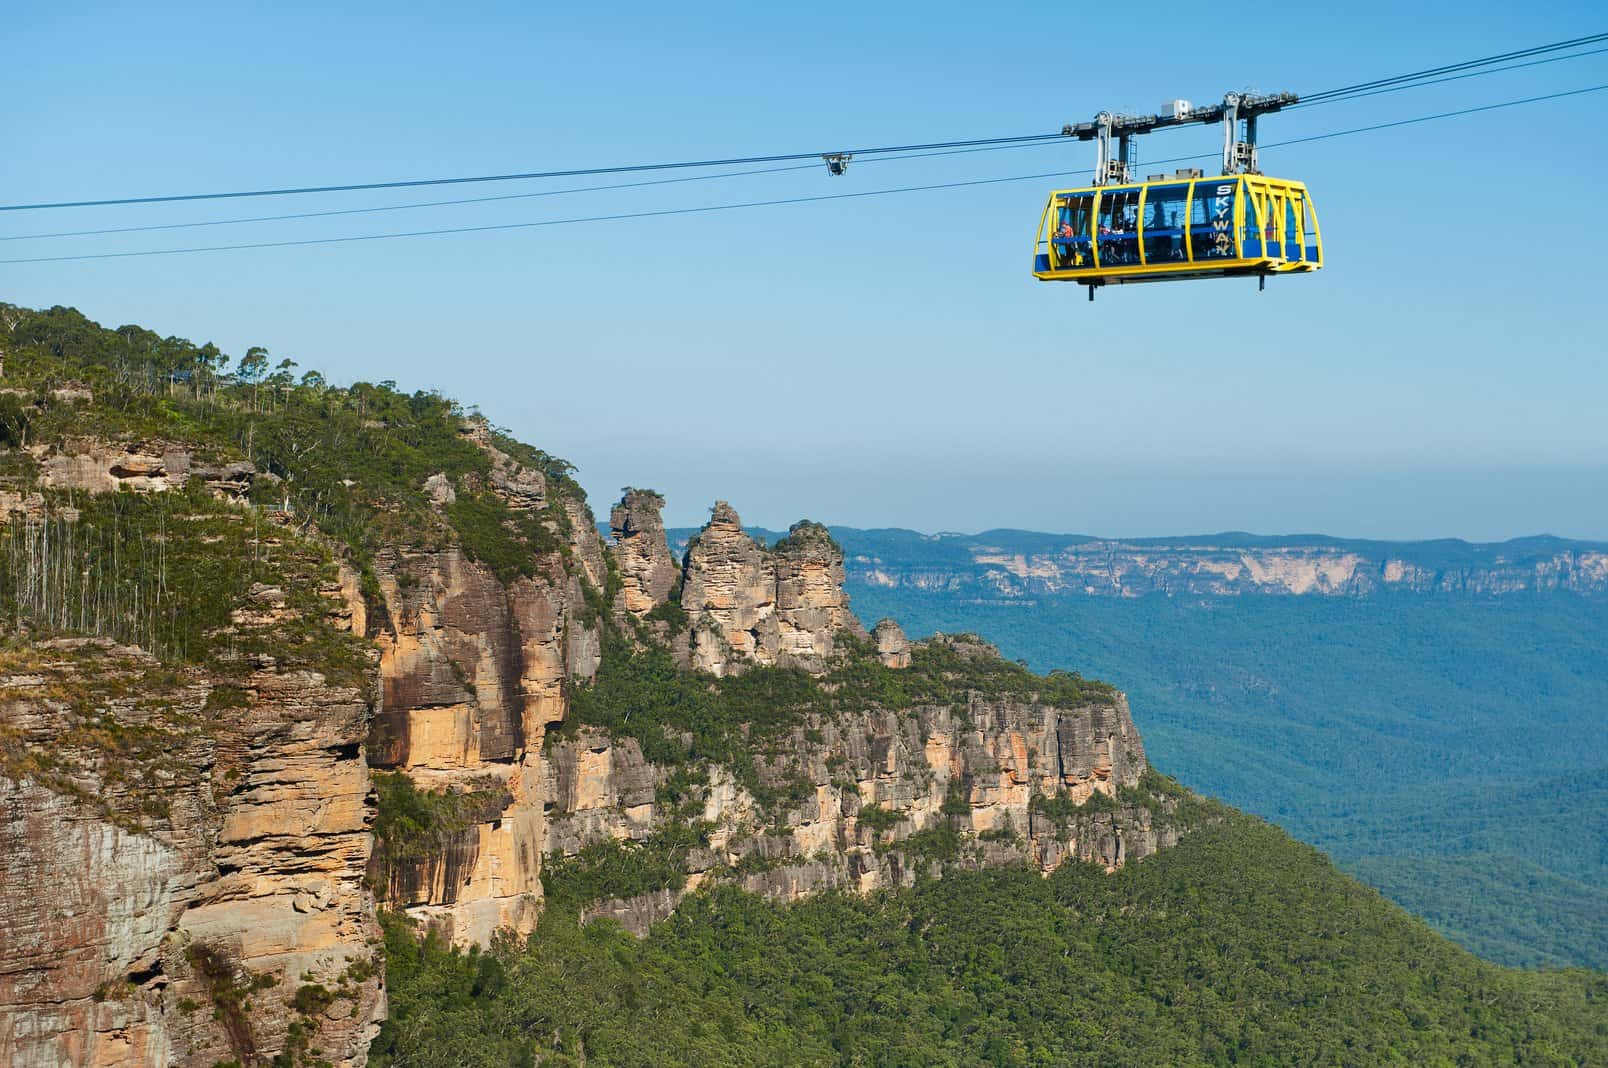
548,222
706,209
1428,76
1556,46
1398,122
580,172
1309,102
494,199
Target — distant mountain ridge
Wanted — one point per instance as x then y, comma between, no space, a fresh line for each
1001,566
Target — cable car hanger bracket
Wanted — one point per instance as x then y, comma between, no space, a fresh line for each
1239,142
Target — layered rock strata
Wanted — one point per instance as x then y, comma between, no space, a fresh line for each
96,466
172,846
973,770
475,675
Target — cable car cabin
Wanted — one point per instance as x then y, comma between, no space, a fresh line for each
1164,229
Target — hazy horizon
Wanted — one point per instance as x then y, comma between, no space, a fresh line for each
1567,503
924,492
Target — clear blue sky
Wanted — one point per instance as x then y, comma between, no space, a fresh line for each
885,361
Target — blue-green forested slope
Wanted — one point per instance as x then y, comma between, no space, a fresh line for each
1449,748
1237,946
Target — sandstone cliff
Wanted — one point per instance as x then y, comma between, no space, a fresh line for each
476,674
982,766
876,797
648,574
474,670
204,815
177,843
186,837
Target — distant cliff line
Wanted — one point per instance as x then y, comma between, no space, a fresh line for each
1007,565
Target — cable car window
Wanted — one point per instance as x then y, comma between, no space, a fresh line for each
1070,239
1292,233
1279,231
1259,235
1164,223
1312,254
1119,227
1211,220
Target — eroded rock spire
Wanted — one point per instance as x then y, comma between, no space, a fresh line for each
749,604
641,551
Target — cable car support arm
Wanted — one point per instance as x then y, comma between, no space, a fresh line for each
1239,143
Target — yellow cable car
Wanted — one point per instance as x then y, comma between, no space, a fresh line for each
1185,226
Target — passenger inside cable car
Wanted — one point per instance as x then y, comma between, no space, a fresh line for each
1071,242
1119,227
1191,227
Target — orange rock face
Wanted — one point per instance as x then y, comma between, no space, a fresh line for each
241,834
473,674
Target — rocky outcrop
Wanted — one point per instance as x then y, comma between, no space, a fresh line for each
473,672
878,795
96,466
728,591
641,552
893,648
160,858
866,797
749,605
812,608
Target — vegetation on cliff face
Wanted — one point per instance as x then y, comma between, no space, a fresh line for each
117,720
195,582
353,461
804,535
679,716
622,869
1238,946
413,825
